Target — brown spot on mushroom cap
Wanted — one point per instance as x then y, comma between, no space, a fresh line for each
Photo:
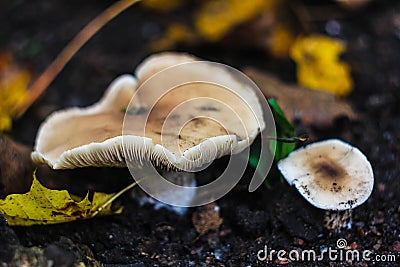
329,169
330,174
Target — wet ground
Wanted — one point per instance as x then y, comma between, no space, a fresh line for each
277,216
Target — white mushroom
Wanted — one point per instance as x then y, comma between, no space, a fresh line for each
78,137
331,174
92,136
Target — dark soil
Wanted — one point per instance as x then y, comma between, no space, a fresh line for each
35,31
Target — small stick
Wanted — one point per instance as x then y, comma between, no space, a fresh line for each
117,195
44,80
299,139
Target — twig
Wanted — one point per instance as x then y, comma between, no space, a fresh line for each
44,80
298,139
113,198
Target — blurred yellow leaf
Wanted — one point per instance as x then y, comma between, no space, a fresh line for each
45,206
319,66
281,40
13,86
174,34
216,18
162,5
260,24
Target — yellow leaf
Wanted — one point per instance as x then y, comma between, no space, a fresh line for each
45,206
281,40
162,5
174,34
13,86
216,18
319,66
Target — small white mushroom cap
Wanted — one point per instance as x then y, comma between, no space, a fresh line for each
330,174
93,136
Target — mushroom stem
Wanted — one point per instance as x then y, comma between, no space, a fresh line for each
337,219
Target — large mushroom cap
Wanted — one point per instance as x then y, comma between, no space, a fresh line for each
79,137
331,174
93,136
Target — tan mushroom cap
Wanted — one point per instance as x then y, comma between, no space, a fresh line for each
92,136
330,174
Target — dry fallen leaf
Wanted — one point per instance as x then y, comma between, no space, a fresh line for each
309,106
45,206
206,218
16,167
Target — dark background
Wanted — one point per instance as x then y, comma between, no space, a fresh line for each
36,31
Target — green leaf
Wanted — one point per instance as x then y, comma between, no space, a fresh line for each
45,206
284,129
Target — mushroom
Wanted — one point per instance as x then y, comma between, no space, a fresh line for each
180,113
189,137
184,196
80,137
331,175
